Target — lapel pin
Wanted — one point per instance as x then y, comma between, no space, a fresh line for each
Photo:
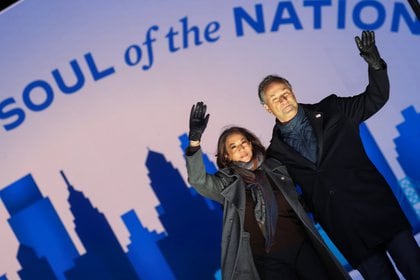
318,115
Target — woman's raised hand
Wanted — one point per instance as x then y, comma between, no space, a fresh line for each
198,121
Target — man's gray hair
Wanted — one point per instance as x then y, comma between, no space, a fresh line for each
268,81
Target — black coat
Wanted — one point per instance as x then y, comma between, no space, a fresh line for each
349,197
228,189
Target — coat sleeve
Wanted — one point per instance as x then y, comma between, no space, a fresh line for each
362,106
206,184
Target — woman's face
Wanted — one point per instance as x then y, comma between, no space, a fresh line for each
238,148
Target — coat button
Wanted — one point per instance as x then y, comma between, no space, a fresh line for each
230,220
282,178
332,192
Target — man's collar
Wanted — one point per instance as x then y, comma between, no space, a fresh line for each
293,123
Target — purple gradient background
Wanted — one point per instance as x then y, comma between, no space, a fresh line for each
101,134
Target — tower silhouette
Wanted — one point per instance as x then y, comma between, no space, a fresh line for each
192,244
33,267
409,157
37,225
378,159
104,258
143,251
407,144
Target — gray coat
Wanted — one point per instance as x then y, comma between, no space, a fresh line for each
228,189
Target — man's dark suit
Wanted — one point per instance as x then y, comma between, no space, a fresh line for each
349,197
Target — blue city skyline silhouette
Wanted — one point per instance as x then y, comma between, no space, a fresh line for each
189,247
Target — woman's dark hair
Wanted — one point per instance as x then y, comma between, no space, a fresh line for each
221,155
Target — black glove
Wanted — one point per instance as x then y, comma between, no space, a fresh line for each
368,49
198,121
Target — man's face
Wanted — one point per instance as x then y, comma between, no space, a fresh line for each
280,101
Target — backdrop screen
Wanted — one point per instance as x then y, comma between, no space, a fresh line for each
95,98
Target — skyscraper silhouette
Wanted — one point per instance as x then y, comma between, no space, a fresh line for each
192,244
380,162
36,224
33,267
104,258
407,144
409,157
144,252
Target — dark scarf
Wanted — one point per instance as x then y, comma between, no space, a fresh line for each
298,134
265,210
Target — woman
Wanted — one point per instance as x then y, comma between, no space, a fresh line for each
266,232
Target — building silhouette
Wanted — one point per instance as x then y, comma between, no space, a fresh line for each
378,159
192,244
37,225
144,252
407,144
33,267
409,156
104,257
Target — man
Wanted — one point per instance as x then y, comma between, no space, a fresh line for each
322,149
